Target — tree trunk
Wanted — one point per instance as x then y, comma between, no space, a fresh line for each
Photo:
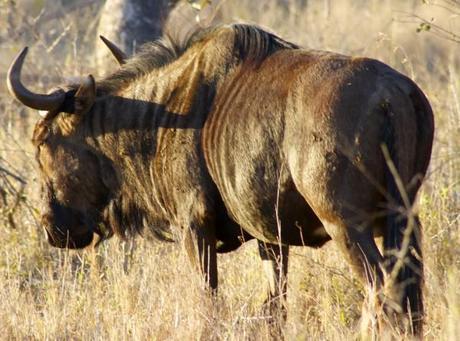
130,23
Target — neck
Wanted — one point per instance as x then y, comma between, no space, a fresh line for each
140,126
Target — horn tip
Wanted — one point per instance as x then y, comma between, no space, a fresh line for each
119,55
14,71
23,52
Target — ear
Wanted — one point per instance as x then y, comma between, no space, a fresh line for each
85,96
41,132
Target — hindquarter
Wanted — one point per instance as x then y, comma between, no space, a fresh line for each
335,137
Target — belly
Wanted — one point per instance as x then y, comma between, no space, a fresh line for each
272,211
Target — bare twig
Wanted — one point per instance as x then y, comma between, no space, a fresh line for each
425,25
16,177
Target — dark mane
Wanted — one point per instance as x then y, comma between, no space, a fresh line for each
251,44
152,55
254,44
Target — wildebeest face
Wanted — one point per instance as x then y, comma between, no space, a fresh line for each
73,192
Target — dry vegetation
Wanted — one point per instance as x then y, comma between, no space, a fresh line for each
54,294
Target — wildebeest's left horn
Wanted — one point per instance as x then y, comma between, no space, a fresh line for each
36,101
119,55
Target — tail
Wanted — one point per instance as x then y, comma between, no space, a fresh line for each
403,236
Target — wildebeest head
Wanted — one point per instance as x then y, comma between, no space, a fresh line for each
84,194
72,172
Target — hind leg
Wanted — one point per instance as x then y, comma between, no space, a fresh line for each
348,205
357,244
388,294
360,251
404,264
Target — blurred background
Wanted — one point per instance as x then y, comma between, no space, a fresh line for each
117,293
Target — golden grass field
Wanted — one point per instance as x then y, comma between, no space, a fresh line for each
47,293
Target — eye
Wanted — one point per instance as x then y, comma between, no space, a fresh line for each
74,178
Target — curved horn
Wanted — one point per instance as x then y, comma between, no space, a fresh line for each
119,55
37,101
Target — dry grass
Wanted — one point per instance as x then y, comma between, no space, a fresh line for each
55,294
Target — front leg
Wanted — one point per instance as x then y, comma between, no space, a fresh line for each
275,263
200,244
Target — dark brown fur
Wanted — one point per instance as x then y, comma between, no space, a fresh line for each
237,134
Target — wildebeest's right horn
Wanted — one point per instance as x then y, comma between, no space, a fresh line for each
37,101
119,55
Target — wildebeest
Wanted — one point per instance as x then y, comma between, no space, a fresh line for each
236,134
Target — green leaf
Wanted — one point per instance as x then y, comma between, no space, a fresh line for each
423,27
